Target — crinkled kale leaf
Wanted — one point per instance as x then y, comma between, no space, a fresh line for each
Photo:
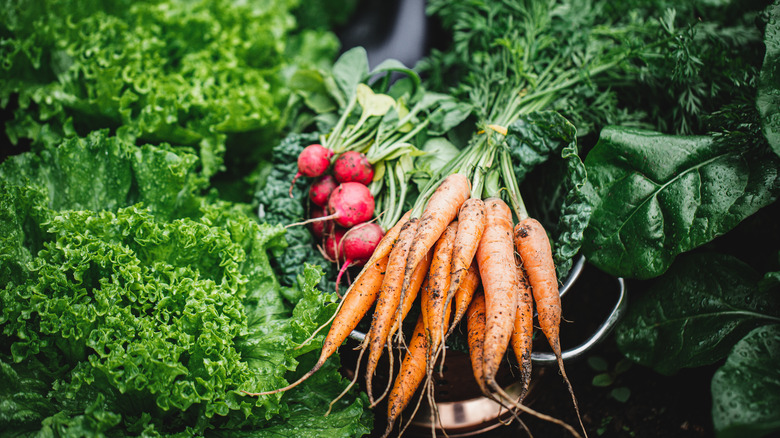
547,139
277,207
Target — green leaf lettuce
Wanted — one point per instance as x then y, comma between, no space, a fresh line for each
132,305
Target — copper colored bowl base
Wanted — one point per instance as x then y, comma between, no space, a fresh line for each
461,408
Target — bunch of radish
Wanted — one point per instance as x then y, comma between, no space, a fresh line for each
343,206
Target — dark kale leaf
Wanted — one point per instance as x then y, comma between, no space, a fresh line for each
275,206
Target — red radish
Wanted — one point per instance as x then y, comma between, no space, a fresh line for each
357,245
312,161
333,248
351,203
352,166
320,228
320,190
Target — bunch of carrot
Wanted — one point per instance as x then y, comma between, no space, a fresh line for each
453,241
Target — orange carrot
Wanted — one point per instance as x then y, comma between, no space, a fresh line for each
382,248
386,244
442,208
409,377
475,321
388,301
369,286
419,281
356,303
498,271
522,336
464,294
533,246
471,225
434,296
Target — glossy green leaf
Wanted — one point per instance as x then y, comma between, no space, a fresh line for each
768,97
746,389
692,315
655,196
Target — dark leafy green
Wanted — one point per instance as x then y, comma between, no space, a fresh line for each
656,196
533,140
746,389
275,206
768,98
695,313
659,64
24,394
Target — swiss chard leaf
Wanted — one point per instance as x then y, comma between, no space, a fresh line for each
746,389
768,98
534,139
656,196
695,313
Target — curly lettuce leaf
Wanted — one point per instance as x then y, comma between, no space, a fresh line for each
133,321
261,348
103,172
310,402
557,201
188,73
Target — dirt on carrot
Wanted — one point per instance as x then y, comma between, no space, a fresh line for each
387,302
434,297
463,296
410,376
533,247
522,335
442,208
498,272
